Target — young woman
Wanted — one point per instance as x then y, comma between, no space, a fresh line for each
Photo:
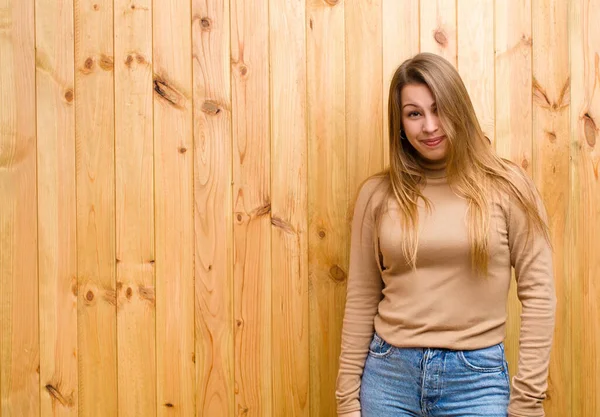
433,241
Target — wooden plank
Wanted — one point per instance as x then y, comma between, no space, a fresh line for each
550,91
289,207
252,207
94,133
364,110
475,21
134,149
328,251
584,270
214,212
174,217
57,214
514,122
19,326
400,42
438,31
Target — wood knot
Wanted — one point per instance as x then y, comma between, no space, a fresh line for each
106,63
88,64
205,23
140,59
129,61
440,37
321,234
239,323
337,274
89,296
239,217
243,70
133,7
182,149
551,136
69,95
169,405
128,293
525,163
168,93
589,129
96,7
211,107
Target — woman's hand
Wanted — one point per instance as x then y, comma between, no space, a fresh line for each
350,414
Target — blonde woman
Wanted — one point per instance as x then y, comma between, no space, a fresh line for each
433,242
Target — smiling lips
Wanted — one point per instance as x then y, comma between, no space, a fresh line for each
433,142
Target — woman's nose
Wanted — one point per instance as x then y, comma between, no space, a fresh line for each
430,124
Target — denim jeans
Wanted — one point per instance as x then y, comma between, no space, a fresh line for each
421,382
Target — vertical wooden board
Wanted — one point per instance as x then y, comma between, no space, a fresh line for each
290,345
364,110
585,212
400,21
475,21
19,324
513,117
56,208
252,207
213,214
136,338
94,135
438,28
174,217
327,198
550,92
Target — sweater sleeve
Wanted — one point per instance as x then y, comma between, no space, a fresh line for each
531,256
362,299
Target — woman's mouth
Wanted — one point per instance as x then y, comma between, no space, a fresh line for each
433,142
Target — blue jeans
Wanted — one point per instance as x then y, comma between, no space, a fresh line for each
434,382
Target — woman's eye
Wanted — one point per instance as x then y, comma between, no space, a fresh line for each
414,114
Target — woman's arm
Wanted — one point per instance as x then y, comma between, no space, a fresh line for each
363,296
531,256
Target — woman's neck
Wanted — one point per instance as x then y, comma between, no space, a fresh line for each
433,169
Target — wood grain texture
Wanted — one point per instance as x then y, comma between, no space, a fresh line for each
328,197
252,207
134,148
475,21
400,27
94,134
213,212
289,203
438,28
584,34
364,104
19,326
57,217
551,99
514,123
174,204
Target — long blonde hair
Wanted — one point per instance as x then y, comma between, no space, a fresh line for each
472,166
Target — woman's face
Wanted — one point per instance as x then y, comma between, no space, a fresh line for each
421,122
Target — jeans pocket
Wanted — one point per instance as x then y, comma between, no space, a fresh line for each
490,359
379,348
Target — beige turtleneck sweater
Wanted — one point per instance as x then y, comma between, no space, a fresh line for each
443,304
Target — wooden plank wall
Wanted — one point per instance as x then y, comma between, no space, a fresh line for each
176,181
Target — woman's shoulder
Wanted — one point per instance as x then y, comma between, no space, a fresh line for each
374,187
